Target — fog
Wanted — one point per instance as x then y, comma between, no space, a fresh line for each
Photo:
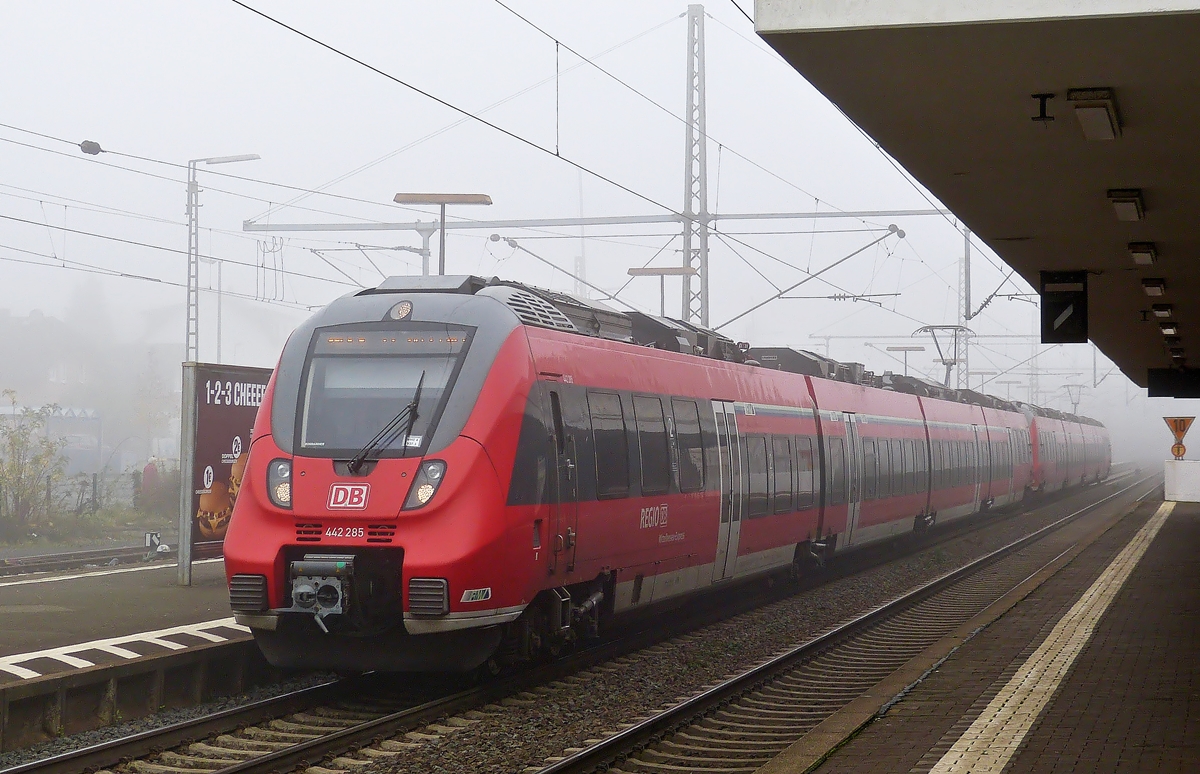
92,248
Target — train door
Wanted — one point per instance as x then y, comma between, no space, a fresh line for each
981,463
730,457
854,454
564,507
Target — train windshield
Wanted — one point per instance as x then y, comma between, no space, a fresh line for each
358,380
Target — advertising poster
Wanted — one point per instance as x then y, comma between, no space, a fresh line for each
226,403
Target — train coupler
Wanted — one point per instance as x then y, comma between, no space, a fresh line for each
320,586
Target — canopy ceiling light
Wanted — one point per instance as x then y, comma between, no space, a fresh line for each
1162,311
1177,353
1128,204
1169,329
1096,110
1143,253
1154,286
1172,341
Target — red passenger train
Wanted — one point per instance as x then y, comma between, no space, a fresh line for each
449,472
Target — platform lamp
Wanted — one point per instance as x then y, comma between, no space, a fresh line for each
1008,383
906,350
982,379
441,200
662,273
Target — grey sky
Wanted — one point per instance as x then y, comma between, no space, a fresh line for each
173,81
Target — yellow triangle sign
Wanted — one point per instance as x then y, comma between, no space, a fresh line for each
1179,426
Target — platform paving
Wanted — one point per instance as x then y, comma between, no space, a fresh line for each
1129,700
56,610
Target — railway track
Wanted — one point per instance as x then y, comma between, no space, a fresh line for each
377,720
739,725
69,560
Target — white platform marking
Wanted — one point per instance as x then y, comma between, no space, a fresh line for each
98,573
995,736
63,655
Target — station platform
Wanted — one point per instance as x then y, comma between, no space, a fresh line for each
1097,669
60,621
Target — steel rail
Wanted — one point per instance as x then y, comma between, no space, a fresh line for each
153,740
66,560
613,749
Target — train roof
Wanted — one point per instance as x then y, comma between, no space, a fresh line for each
562,311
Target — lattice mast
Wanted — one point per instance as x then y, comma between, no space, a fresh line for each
962,364
695,177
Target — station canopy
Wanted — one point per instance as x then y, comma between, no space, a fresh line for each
1107,181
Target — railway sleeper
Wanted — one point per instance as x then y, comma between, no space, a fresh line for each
752,723
688,737
720,730
193,762
788,708
212,751
375,752
323,721
819,691
768,703
771,718
638,765
273,734
313,731
146,767
242,743
657,756
349,764
345,713
708,751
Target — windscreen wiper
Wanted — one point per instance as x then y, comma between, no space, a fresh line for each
389,432
412,417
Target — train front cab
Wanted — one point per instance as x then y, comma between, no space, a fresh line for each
426,562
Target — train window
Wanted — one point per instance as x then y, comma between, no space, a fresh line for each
884,486
897,466
782,460
756,462
938,464
612,445
910,472
837,472
652,441
691,449
804,473
869,470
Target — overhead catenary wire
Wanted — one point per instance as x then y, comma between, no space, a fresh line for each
217,173
517,246
459,122
104,271
652,101
759,305
164,248
462,111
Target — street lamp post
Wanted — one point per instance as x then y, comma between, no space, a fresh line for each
1008,383
906,350
192,337
662,273
982,379
441,200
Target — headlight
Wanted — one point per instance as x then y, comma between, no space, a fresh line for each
425,484
279,483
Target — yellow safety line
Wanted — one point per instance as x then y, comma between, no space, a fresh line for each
993,739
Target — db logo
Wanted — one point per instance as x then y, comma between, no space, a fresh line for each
348,496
